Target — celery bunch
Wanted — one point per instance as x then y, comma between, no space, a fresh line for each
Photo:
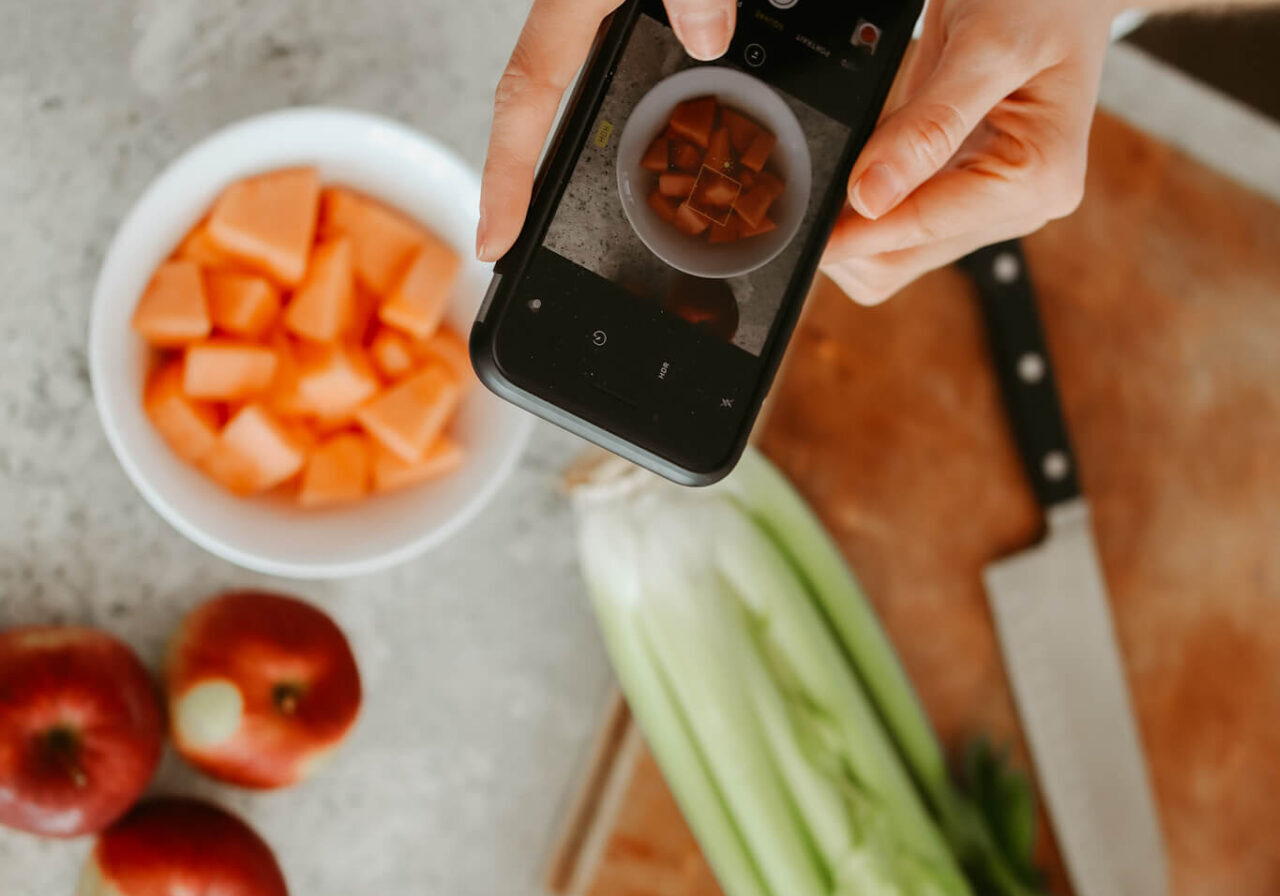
774,703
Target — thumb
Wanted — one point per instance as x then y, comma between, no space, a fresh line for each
705,27
913,144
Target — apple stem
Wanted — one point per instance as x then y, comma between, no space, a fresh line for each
64,746
286,697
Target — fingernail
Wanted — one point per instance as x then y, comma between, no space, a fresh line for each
481,234
877,191
705,35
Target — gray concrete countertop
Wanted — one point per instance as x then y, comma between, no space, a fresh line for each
484,674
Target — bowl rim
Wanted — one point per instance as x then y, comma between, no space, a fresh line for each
153,194
623,178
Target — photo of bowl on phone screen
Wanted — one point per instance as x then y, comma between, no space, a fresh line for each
698,185
713,177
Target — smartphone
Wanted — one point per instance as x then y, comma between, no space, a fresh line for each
677,223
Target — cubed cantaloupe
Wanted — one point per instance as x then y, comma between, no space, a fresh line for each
364,314
759,151
255,452
695,119
334,380
719,155
448,348
657,158
269,221
676,185
227,370
754,205
383,241
190,427
241,304
392,472
197,246
282,396
321,308
407,417
727,232
766,225
742,130
173,310
336,472
391,353
664,207
303,385
690,222
420,298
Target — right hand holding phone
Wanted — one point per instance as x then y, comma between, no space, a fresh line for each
986,139
553,46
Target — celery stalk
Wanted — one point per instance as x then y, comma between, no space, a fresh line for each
694,632
702,610
614,588
779,510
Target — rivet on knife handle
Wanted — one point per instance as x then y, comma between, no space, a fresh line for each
1022,365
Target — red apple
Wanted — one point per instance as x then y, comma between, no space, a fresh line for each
81,729
261,687
167,847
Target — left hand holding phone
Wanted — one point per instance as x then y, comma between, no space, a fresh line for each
552,48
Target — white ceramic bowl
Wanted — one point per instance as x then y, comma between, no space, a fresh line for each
379,157
791,157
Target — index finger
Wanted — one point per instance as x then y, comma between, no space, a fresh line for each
552,48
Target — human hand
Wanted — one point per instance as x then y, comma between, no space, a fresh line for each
551,49
987,141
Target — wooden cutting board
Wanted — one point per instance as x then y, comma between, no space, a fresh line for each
1161,300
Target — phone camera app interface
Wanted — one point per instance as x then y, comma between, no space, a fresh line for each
699,183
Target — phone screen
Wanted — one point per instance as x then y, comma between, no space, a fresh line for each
664,262
682,217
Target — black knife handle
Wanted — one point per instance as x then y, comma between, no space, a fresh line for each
1024,370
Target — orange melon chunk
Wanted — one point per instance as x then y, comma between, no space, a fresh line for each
664,206
759,151
383,240
269,221
364,312
690,222
254,453
333,380
197,246
189,427
241,304
173,310
657,157
754,205
418,303
391,353
337,472
448,348
322,307
677,186
391,472
768,225
695,119
222,370
719,155
283,396
407,418
742,130
725,233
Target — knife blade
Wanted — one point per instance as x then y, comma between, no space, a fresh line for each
1054,623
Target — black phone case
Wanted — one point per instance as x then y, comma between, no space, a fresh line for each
549,187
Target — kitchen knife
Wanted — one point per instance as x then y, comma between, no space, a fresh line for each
1054,622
